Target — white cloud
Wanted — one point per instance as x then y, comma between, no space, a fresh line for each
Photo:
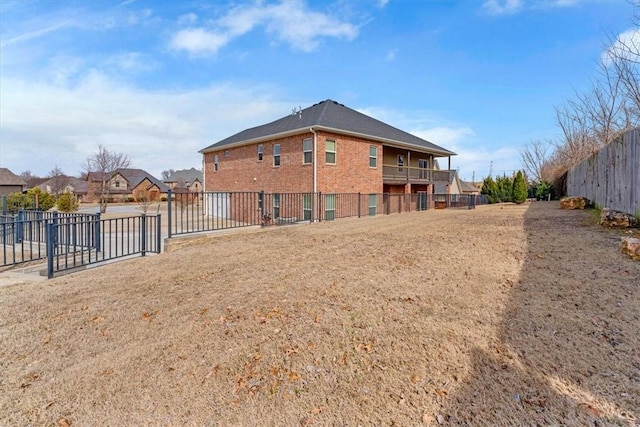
626,45
44,124
512,7
33,34
290,21
382,3
198,41
503,7
187,19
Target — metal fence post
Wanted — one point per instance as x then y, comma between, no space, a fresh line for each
319,206
19,226
359,201
158,233
97,237
143,234
169,211
50,230
261,206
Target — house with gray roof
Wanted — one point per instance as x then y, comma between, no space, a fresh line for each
185,179
328,148
10,183
125,184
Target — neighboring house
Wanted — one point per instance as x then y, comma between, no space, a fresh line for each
326,148
186,179
470,188
452,185
10,183
124,184
73,185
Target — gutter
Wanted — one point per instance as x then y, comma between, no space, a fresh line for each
314,159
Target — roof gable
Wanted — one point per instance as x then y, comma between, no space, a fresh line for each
9,178
330,115
185,175
135,176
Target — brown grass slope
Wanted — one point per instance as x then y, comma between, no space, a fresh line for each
509,315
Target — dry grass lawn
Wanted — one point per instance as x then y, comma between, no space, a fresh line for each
503,315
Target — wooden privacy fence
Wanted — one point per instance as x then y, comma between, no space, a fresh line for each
610,178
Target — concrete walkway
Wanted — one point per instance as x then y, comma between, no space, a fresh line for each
33,273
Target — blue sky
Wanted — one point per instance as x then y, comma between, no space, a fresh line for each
160,80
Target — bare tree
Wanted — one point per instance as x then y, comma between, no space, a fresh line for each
166,174
100,168
145,198
534,156
58,181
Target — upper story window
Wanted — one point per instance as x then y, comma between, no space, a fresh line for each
276,154
330,151
260,152
216,163
227,153
307,151
373,156
117,184
400,162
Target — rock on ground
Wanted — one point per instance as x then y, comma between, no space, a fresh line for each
631,246
574,202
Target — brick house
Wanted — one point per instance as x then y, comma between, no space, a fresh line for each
326,148
185,179
124,184
332,150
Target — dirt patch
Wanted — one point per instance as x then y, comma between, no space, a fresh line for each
510,315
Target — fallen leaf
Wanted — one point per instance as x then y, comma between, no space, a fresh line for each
62,422
440,392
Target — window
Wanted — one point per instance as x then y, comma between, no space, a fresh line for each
117,184
424,166
216,161
260,152
400,162
372,204
330,151
276,206
307,151
226,153
330,207
373,156
307,202
276,154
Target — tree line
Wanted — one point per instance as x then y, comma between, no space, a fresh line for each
592,118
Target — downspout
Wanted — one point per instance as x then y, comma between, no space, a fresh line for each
314,159
204,171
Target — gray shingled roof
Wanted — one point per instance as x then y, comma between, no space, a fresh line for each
136,176
330,115
9,178
185,175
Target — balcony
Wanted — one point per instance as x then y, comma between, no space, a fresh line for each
394,174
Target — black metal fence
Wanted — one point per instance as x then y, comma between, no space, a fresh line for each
70,240
109,239
23,236
209,211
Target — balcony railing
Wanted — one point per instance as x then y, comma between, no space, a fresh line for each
395,173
